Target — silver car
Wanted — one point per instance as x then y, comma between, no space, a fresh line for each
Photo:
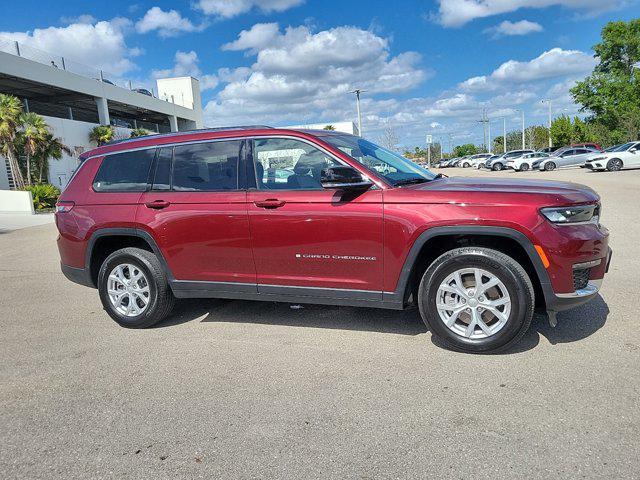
571,157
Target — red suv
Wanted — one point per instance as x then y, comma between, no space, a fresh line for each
329,218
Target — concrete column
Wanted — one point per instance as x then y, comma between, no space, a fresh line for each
173,123
103,110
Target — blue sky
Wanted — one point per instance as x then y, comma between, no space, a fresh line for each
429,67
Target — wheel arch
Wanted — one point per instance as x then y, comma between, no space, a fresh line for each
105,241
435,241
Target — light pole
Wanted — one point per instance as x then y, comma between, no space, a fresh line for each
358,91
489,127
522,111
548,102
504,134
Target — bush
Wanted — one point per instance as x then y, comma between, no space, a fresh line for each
44,195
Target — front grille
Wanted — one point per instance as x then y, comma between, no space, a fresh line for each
581,278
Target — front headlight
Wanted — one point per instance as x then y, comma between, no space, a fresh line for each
573,214
597,158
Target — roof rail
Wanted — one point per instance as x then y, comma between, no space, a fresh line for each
183,132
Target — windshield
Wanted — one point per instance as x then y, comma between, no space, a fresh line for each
624,147
393,167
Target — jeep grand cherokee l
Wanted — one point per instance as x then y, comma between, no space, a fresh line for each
208,214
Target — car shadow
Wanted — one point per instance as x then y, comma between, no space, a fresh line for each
405,322
573,325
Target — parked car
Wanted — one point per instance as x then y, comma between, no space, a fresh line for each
191,215
500,163
528,161
143,91
618,158
475,160
571,157
488,161
594,146
549,149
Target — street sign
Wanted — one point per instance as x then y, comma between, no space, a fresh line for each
429,139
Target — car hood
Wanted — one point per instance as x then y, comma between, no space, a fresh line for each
466,189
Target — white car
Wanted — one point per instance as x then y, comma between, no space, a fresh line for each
571,157
624,156
528,161
500,163
475,160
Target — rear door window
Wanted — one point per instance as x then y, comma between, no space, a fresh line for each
206,167
124,172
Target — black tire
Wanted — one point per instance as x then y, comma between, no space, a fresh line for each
614,165
524,167
512,275
161,299
549,166
496,167
466,165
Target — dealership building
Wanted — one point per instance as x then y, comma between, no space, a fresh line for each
74,98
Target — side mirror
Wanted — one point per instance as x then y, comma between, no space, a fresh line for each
344,177
633,150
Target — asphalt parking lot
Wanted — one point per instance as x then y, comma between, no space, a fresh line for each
236,389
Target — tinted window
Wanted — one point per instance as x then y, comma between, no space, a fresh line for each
162,178
124,172
568,153
287,164
206,166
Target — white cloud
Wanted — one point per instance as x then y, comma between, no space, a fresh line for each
257,37
507,28
553,63
233,8
298,73
84,18
455,13
186,64
168,23
101,45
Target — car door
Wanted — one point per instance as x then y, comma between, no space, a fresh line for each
196,211
631,158
306,239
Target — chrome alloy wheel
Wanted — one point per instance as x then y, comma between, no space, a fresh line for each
473,303
128,290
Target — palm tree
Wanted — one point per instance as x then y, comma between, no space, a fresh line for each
10,111
32,136
51,147
101,134
329,127
139,132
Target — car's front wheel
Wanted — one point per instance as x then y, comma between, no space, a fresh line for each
497,167
466,165
549,166
524,167
133,288
476,300
614,164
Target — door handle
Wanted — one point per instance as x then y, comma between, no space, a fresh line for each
269,203
157,204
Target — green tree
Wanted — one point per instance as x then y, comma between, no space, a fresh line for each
139,132
32,137
611,94
464,150
329,127
101,134
562,131
10,112
51,147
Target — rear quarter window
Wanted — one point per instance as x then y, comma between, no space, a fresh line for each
124,172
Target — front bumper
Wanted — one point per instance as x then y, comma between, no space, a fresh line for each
558,302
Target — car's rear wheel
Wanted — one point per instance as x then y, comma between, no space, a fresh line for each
133,288
614,164
549,166
466,165
524,167
476,300
497,167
